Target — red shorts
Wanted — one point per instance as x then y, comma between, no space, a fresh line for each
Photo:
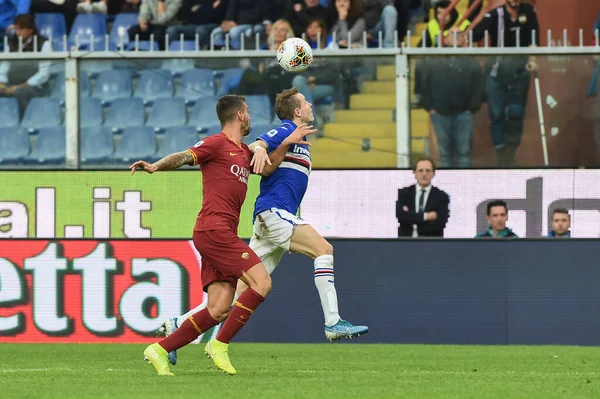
224,256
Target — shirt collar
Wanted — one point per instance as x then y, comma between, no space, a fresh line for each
287,121
426,188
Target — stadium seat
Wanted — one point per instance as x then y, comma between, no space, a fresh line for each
59,86
124,113
96,144
51,25
93,68
260,109
9,112
167,112
91,112
195,84
204,117
177,139
112,85
14,145
175,44
258,130
118,33
153,84
88,31
178,65
50,147
42,112
137,143
143,45
231,79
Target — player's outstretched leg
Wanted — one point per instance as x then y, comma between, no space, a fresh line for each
259,285
307,241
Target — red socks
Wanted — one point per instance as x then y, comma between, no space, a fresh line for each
241,312
189,330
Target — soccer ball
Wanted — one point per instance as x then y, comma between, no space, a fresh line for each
294,55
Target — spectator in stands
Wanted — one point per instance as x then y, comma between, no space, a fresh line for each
350,24
316,35
130,6
92,6
450,21
243,17
322,79
8,11
422,209
450,89
561,223
507,78
381,16
198,17
497,216
28,79
153,19
66,7
302,12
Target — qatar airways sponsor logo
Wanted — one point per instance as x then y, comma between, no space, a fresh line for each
240,172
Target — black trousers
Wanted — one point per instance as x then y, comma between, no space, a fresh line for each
157,30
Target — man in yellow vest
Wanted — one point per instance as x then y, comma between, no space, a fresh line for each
450,24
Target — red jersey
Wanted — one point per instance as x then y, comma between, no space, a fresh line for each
225,169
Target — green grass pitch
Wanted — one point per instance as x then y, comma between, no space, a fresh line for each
304,371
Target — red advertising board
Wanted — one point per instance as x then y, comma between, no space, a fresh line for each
94,291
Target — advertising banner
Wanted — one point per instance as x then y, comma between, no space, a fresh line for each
92,291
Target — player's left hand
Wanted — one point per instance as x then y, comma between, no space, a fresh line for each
259,160
297,136
150,168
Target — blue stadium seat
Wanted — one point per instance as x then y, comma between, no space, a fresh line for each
118,32
178,65
175,44
153,84
195,84
112,85
9,112
260,109
124,113
258,130
96,144
93,68
231,79
91,112
167,112
50,147
51,25
14,145
59,86
177,139
136,143
86,26
204,116
42,112
143,45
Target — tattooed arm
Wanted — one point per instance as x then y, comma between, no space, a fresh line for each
170,162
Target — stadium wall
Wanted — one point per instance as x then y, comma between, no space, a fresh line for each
407,291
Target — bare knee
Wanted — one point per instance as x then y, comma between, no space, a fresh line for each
218,312
241,287
263,286
325,249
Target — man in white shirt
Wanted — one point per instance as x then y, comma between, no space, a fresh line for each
422,209
24,80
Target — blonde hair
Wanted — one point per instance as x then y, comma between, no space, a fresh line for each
290,31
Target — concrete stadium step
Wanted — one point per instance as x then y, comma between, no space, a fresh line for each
379,87
372,101
353,159
351,144
363,116
386,72
360,130
419,123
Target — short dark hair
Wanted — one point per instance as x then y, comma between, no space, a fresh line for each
25,21
424,159
286,103
561,210
442,4
228,106
494,203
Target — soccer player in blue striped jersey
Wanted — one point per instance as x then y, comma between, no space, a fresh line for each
277,229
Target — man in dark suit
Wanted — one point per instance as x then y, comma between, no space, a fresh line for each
422,209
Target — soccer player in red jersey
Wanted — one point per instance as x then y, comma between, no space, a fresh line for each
225,163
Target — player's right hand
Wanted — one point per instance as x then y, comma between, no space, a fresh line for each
297,136
148,167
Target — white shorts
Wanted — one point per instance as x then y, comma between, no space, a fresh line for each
273,231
